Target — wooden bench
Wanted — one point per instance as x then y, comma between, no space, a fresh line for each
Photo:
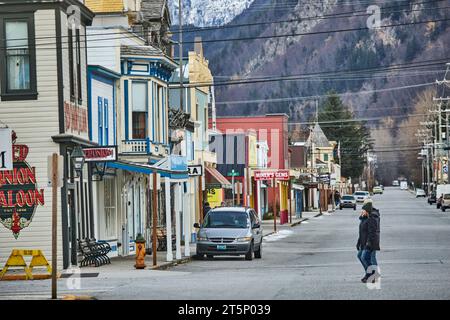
161,236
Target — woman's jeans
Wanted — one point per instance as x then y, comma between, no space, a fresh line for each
368,258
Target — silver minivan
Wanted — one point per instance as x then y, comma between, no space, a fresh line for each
230,231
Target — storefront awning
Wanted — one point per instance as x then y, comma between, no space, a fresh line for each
147,169
215,179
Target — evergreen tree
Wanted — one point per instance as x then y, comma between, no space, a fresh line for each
354,136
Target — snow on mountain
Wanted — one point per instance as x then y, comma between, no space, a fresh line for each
205,13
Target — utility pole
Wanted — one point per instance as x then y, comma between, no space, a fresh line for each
54,223
180,52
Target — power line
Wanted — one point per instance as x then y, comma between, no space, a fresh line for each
323,96
348,14
313,33
379,69
130,36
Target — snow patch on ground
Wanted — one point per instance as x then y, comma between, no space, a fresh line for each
278,236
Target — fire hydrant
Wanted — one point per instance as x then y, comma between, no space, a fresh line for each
140,252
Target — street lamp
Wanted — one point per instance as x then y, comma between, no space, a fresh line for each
77,157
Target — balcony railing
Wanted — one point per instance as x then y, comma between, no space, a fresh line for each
135,146
143,147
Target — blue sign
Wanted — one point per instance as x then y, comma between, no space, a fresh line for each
178,163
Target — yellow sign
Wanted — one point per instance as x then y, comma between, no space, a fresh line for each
16,259
214,197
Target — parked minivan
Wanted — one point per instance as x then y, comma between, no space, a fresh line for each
230,231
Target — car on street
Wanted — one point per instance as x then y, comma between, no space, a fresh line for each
395,183
432,198
420,193
382,187
230,231
361,196
445,202
348,201
377,190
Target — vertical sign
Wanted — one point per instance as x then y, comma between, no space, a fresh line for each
6,150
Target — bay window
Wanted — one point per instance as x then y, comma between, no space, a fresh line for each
17,59
139,103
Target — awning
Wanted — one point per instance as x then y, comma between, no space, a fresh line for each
147,169
215,179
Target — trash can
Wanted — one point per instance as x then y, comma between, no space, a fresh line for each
284,217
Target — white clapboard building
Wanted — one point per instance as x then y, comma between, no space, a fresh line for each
44,101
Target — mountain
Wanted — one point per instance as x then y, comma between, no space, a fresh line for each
321,48
206,13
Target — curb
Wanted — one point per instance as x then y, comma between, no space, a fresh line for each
167,265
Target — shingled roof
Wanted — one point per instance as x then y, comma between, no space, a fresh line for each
153,9
318,137
140,51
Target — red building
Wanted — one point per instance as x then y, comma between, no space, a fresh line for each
272,128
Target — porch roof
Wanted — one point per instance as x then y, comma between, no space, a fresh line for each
147,169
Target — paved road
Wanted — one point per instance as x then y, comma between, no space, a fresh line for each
315,261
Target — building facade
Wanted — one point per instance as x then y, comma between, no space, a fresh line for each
44,100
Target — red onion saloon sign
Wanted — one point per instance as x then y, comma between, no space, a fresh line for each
19,196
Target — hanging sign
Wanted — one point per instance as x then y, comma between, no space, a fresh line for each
6,158
271,174
100,154
19,196
195,170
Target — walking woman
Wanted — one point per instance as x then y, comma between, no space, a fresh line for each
369,240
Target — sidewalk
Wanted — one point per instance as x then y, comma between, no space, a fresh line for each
124,264
268,224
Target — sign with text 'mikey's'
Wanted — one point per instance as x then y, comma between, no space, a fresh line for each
271,174
100,154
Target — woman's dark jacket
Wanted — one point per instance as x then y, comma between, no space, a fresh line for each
369,232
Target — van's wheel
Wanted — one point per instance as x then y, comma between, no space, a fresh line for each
209,256
258,253
249,254
199,256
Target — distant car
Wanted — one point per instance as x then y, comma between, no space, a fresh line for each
377,190
445,202
348,201
382,187
420,193
230,231
395,183
361,196
432,198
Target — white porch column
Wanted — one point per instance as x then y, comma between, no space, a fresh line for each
177,220
168,220
258,196
187,222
